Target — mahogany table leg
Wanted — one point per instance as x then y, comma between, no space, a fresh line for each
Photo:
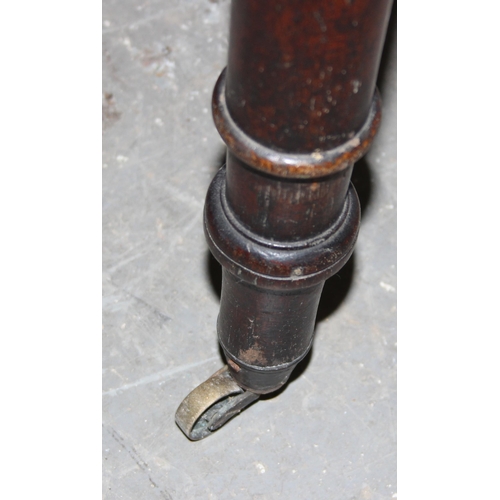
296,106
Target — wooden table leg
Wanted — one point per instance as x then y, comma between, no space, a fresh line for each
296,106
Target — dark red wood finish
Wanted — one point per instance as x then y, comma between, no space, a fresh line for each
301,73
296,107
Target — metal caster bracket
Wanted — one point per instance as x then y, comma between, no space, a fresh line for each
210,405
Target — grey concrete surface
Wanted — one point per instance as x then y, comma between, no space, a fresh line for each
331,434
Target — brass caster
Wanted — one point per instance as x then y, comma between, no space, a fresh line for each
210,405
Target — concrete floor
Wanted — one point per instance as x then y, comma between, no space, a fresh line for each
331,434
